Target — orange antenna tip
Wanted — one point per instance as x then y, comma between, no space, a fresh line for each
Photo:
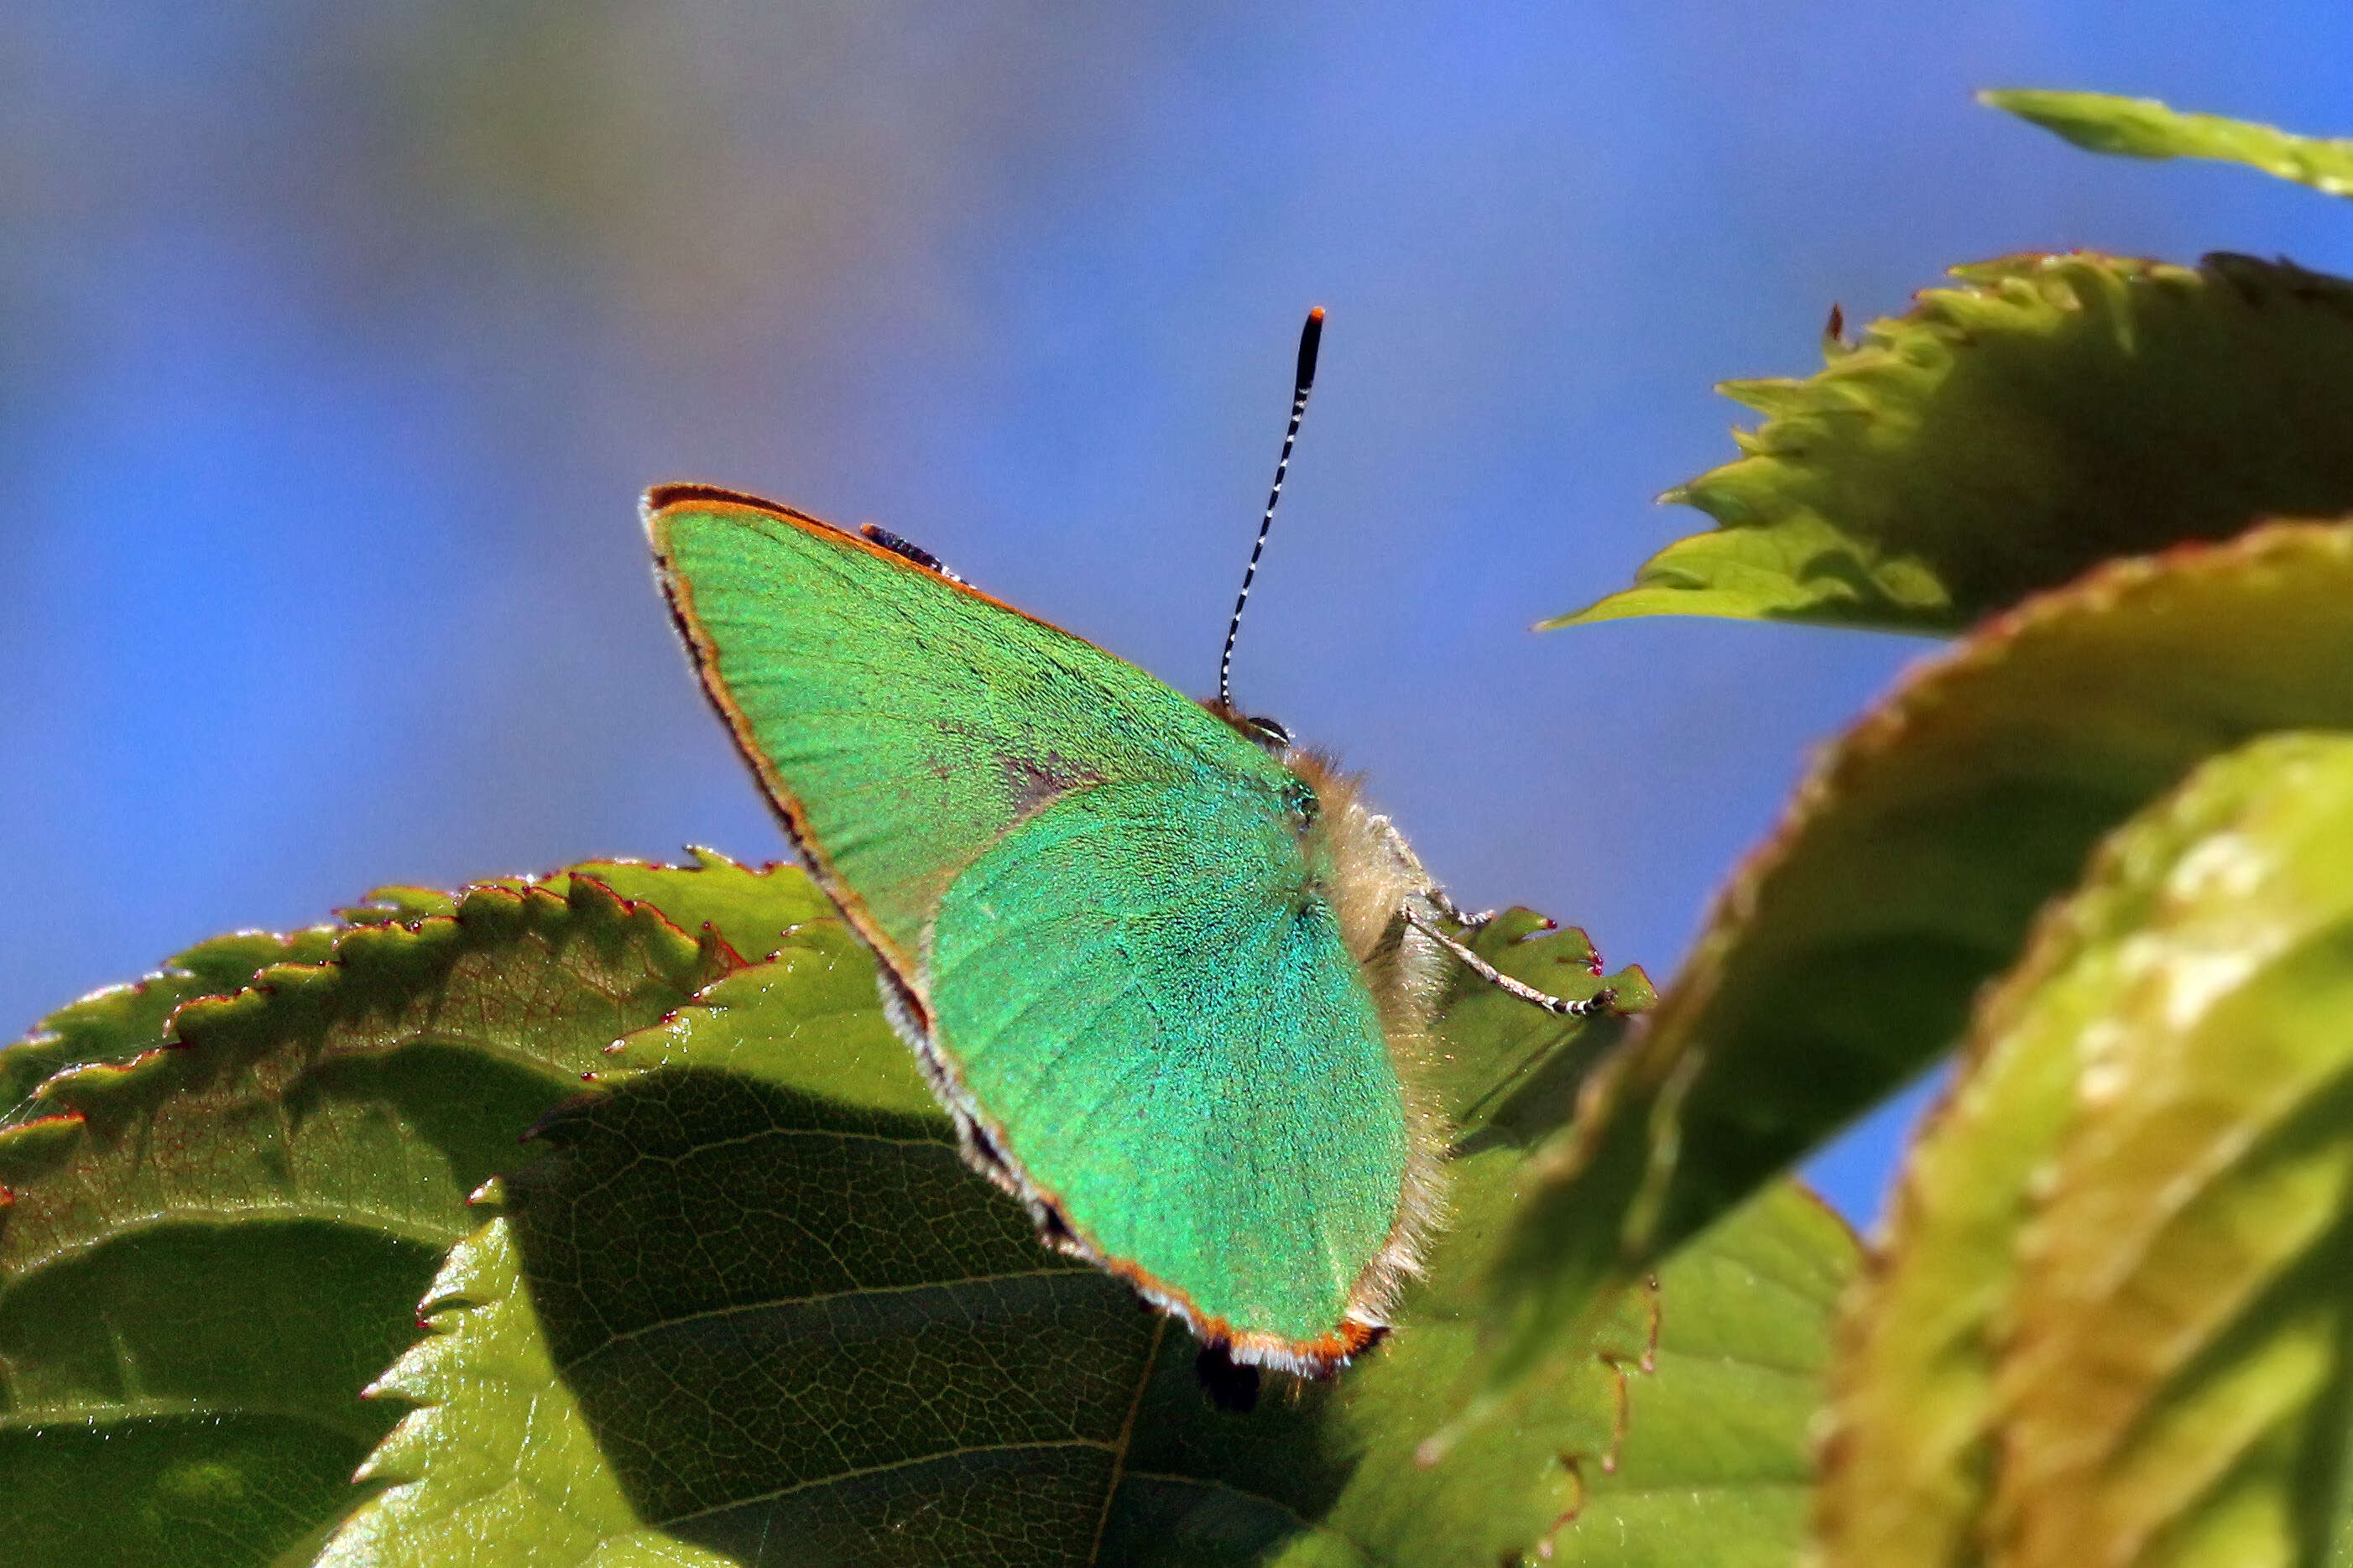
1311,338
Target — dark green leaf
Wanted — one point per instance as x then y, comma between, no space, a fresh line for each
216,1224
756,1302
2145,128
2006,435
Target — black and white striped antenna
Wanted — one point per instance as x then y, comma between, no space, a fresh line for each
1310,337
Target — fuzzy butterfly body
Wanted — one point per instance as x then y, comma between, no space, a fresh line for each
1162,977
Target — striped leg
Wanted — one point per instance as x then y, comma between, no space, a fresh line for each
1593,1005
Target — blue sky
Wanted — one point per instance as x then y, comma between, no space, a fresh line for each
337,341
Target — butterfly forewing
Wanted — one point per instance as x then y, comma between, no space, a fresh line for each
902,721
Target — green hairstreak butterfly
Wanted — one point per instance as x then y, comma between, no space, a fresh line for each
1166,969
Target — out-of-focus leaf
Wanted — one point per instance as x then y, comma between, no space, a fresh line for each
2145,128
1909,1450
2113,1302
2178,1359
764,1301
1841,959
2007,435
215,1234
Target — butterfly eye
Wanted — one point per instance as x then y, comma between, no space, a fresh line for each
1269,734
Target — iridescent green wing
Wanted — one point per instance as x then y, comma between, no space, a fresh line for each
900,721
1145,994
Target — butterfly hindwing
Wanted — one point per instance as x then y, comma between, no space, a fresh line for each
1144,990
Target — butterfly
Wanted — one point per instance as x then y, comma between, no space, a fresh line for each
1163,967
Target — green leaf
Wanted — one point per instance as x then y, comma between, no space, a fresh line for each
2145,128
1843,957
1507,1072
751,907
1909,1450
2179,1355
756,1297
2006,435
116,1024
1717,1462
765,1300
219,1215
513,1457
2111,1325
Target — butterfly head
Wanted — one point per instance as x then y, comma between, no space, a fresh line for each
1269,735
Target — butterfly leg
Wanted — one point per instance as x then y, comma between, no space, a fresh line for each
1596,1004
1453,911
1426,885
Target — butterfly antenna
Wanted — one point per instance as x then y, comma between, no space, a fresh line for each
1311,337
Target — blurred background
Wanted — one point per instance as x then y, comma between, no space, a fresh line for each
337,341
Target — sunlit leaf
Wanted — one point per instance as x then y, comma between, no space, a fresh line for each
1841,958
1910,1451
2178,1353
2145,128
2009,433
2112,1325
750,906
117,1023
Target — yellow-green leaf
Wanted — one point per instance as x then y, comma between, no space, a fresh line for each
752,907
1841,959
2177,1358
2145,128
1912,1447
2012,431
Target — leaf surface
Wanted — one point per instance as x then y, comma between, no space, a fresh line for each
2145,128
2179,1355
2009,433
1841,959
775,1311
1717,1464
2111,1326
220,1210
751,907
117,1022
